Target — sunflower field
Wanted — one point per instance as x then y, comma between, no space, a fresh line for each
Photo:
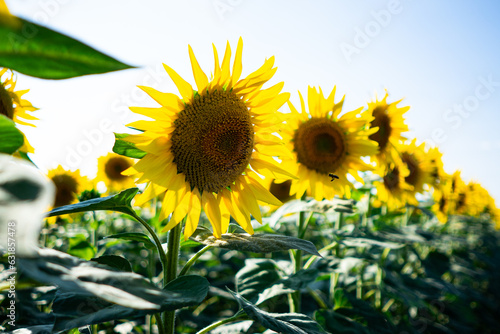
229,209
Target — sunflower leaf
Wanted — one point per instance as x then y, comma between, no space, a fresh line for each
11,139
288,323
119,202
134,236
256,243
40,52
126,148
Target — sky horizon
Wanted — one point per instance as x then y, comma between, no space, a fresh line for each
440,58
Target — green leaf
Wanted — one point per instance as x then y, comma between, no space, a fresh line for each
134,236
256,243
119,202
90,293
338,323
126,148
114,261
260,280
287,323
11,139
34,50
81,248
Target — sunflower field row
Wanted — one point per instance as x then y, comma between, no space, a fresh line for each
230,209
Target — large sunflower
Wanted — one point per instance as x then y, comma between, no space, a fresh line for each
14,106
69,184
109,170
388,118
203,150
324,143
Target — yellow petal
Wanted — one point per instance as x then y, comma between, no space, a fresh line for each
185,88
199,76
237,65
211,207
167,100
193,216
225,68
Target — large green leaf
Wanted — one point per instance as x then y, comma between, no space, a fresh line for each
91,293
44,53
73,310
256,243
119,202
11,139
126,148
287,323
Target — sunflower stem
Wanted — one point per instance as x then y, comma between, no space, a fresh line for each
237,317
170,273
193,259
301,221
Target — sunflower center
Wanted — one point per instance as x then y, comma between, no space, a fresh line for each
66,187
391,179
6,107
213,140
281,190
320,145
114,168
412,165
383,121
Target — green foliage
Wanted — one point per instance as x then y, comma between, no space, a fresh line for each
34,50
11,139
126,148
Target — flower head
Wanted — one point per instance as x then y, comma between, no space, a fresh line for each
109,170
13,106
388,118
204,147
69,184
324,143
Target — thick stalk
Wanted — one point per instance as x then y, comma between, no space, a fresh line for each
170,273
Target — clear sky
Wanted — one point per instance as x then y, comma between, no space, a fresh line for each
442,57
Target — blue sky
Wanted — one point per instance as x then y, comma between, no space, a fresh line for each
441,57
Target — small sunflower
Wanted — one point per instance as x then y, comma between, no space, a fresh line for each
68,185
389,120
393,190
203,150
418,162
324,143
14,106
437,173
109,170
443,199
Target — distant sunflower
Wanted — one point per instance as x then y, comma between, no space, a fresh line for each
392,190
436,166
420,168
68,185
443,199
203,149
324,143
13,106
388,118
109,170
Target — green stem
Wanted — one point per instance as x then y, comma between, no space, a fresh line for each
193,260
159,323
301,223
314,257
161,253
173,247
238,316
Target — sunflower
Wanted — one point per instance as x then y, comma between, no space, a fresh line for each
324,143
418,162
68,185
437,172
204,151
443,199
388,118
13,106
393,190
109,170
